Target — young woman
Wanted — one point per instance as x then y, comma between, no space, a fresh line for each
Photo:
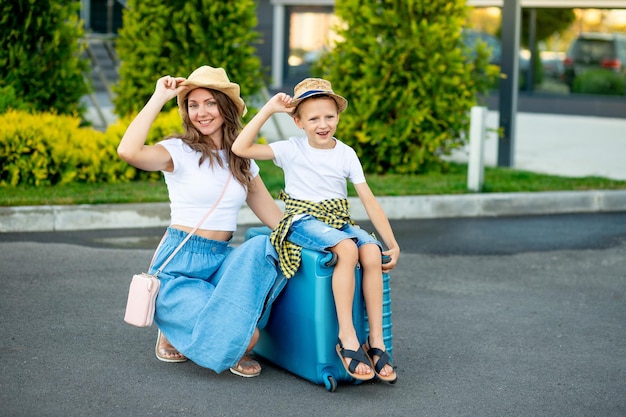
212,295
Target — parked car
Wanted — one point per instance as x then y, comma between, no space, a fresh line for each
552,62
591,51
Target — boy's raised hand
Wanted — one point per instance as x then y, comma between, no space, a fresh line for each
280,103
245,146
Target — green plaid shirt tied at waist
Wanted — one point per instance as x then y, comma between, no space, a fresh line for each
335,212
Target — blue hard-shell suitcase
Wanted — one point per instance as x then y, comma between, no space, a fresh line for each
301,333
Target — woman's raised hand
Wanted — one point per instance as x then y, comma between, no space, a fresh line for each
169,87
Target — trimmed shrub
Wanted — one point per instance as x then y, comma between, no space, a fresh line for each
49,149
410,86
175,37
600,81
40,54
10,100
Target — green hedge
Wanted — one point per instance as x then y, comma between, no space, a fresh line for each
48,149
177,36
9,99
40,54
600,81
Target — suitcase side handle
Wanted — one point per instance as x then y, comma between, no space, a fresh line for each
333,259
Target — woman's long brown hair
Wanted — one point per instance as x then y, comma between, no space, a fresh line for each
240,167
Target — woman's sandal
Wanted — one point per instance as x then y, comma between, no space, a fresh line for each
383,359
357,357
245,362
166,354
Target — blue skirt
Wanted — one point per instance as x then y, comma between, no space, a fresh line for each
212,296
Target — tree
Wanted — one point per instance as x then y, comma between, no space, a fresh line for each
547,23
408,81
177,36
40,54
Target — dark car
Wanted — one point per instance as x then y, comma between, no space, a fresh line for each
595,51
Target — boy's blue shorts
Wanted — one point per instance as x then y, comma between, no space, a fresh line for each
313,234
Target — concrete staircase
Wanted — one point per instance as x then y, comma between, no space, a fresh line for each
104,61
100,50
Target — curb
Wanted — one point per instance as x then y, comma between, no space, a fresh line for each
121,216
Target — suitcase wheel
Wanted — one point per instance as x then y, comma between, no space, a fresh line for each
330,382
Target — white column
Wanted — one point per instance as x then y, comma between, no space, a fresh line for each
475,167
278,53
85,13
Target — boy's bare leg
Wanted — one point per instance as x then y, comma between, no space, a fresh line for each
370,259
343,293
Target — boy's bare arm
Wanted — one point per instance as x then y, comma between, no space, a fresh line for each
263,205
380,221
244,145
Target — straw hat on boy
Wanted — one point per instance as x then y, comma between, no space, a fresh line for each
310,87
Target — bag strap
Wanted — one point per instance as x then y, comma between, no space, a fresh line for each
206,216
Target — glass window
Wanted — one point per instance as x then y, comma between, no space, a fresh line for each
310,36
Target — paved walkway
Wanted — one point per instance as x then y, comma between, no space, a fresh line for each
571,146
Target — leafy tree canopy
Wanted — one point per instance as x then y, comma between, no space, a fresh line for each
177,36
40,54
409,83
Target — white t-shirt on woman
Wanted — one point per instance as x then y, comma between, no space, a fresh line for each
193,189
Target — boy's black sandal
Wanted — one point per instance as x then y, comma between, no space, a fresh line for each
383,359
356,357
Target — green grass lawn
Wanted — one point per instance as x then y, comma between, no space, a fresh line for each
453,181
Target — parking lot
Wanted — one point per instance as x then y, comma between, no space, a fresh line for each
515,316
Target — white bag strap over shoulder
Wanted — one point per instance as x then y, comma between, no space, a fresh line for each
206,216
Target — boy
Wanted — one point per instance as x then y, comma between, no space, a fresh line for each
317,214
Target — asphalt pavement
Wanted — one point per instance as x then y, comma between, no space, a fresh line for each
492,316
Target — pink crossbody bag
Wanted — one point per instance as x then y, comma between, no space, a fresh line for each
144,287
